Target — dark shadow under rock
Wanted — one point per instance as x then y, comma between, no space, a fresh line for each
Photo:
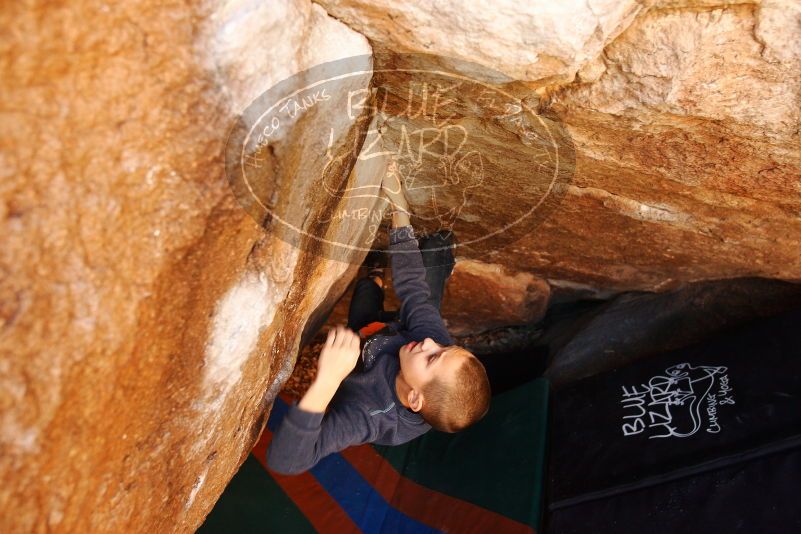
586,338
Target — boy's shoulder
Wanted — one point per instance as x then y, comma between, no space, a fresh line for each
371,393
384,340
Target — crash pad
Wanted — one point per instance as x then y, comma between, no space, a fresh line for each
488,477
705,438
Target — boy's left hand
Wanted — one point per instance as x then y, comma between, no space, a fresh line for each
337,359
339,355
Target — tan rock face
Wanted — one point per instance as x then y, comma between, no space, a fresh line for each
686,134
537,40
691,156
481,296
147,321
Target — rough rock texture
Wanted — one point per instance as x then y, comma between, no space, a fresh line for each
689,152
146,321
481,296
538,40
686,129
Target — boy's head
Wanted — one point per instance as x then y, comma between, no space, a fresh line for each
447,384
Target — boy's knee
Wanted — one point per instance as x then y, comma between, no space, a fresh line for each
440,238
368,281
439,248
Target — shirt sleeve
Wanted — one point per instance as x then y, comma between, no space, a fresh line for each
417,315
303,438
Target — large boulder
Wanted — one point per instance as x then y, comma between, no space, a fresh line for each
531,41
685,120
147,321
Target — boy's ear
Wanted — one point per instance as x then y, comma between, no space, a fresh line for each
415,400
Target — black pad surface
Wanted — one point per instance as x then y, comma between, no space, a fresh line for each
718,422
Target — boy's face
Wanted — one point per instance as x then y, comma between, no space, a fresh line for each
422,360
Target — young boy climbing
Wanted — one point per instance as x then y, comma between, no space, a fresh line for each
410,377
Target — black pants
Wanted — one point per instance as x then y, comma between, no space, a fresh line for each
367,302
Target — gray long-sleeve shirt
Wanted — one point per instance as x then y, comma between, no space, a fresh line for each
366,408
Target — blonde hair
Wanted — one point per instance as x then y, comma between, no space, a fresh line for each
453,405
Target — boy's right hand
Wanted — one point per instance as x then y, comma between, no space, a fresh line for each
338,356
392,186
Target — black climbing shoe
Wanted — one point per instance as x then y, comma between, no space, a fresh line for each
437,250
439,239
375,262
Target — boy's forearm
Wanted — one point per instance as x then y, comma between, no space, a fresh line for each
303,438
400,218
295,444
417,314
318,396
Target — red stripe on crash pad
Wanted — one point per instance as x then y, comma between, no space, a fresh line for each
428,506
322,511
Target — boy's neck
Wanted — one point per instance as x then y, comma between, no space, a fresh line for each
402,389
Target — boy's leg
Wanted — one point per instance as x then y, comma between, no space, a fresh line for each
367,304
437,252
